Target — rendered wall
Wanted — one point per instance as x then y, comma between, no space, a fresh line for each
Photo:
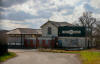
73,42
53,29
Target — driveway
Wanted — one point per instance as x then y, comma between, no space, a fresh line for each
35,57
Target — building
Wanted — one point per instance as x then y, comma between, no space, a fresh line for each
17,36
68,35
51,35
50,28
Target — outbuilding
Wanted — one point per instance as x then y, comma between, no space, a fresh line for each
16,37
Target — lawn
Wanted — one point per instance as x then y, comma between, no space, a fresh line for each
90,57
7,56
87,56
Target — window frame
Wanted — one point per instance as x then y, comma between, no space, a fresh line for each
49,30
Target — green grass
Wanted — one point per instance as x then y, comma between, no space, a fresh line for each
90,57
87,57
7,56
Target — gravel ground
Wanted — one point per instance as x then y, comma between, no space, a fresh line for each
35,57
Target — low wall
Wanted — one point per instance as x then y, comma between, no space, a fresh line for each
77,42
62,42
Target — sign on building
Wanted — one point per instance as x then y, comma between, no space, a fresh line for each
71,31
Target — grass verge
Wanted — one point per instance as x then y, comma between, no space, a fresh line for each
90,57
7,56
87,57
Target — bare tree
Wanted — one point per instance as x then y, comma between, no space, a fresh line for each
97,34
88,21
97,28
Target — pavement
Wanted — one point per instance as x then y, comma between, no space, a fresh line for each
33,56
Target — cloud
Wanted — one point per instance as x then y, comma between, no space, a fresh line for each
8,3
58,16
27,7
96,15
88,7
1,10
34,6
36,23
95,3
69,16
21,15
33,23
6,24
41,8
65,2
16,15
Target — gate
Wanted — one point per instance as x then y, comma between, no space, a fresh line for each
15,42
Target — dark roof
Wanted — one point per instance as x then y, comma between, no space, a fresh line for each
57,24
61,23
25,31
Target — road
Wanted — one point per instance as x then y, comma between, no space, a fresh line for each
35,57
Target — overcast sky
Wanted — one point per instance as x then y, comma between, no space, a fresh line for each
33,13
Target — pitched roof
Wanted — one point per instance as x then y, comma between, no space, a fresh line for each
57,24
25,31
61,23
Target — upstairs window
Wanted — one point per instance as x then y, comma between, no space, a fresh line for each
49,31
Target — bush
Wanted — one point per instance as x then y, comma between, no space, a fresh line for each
3,49
3,44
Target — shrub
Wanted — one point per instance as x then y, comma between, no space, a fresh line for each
3,44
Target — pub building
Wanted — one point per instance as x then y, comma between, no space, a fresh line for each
68,35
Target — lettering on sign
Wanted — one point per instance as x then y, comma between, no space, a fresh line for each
72,32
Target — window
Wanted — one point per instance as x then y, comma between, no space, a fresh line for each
49,31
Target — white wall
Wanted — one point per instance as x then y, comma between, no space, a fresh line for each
54,30
73,42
